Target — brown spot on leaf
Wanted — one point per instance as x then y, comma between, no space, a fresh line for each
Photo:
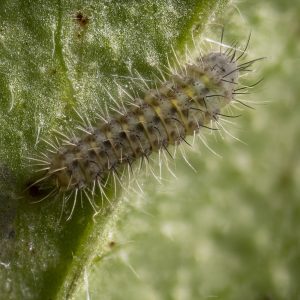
81,19
112,244
33,189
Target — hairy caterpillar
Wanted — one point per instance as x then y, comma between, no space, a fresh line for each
183,101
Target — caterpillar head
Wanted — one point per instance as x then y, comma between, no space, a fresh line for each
221,66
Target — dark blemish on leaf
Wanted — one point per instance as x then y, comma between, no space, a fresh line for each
81,19
112,244
11,234
53,71
35,191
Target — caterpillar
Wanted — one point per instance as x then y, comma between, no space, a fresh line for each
185,99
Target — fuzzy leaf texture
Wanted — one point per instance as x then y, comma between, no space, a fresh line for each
56,56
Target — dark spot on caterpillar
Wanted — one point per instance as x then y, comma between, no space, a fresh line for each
205,90
92,154
107,144
185,112
90,138
75,163
173,135
156,143
132,137
81,19
117,146
139,127
173,110
192,125
101,153
122,135
76,149
150,129
137,150
123,120
156,119
154,101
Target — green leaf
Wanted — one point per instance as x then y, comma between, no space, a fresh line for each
56,56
